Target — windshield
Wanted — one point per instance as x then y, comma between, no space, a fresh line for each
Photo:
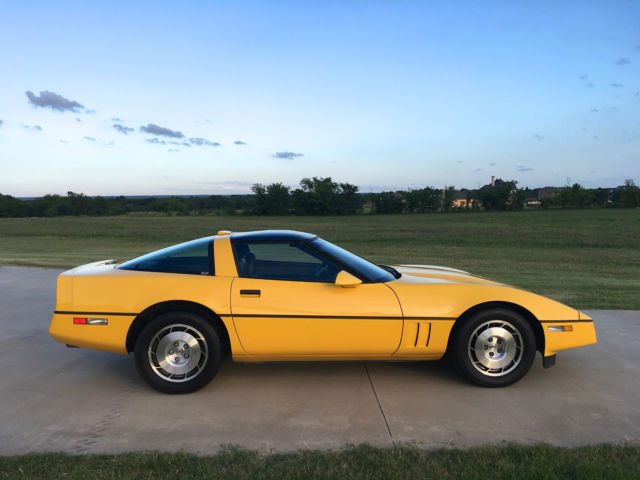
371,272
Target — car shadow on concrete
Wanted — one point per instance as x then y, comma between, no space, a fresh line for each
442,371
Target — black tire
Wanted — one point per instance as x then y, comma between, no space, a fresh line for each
494,348
178,352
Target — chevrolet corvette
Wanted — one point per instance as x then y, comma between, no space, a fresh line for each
280,295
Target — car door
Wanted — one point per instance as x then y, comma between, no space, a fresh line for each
285,302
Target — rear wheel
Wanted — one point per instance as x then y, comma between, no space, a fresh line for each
178,352
495,347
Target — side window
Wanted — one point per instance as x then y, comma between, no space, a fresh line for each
283,261
192,258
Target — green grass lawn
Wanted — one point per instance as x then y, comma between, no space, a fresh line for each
585,258
517,462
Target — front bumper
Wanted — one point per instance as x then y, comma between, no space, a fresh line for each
562,335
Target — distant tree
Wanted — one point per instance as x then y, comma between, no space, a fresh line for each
412,199
448,196
349,201
517,199
12,207
472,203
52,206
172,206
579,196
321,195
300,201
316,196
260,199
575,196
99,206
277,199
388,203
273,199
119,206
629,195
80,203
423,200
499,196
601,197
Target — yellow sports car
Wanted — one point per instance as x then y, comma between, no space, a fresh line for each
279,295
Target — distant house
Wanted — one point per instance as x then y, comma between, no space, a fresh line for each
464,198
460,199
532,198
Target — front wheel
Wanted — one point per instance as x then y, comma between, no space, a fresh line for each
178,352
495,347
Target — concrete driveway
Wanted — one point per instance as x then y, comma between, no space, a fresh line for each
82,401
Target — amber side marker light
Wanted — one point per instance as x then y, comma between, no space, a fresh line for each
561,328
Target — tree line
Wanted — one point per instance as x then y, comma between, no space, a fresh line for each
81,204
576,196
323,196
315,196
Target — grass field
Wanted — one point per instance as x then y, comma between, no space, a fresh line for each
585,258
518,462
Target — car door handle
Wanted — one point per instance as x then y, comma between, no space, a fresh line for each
255,293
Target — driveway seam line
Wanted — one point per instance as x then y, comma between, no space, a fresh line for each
366,369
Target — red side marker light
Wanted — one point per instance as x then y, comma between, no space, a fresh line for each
79,321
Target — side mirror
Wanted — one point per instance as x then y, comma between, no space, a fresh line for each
346,280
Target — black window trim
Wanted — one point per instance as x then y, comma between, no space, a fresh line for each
212,259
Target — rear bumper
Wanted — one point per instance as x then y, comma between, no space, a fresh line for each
109,338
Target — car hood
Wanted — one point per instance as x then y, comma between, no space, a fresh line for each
444,293
437,274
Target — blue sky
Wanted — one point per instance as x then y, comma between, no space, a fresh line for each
385,95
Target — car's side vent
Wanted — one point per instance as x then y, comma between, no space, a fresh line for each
424,338
418,334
